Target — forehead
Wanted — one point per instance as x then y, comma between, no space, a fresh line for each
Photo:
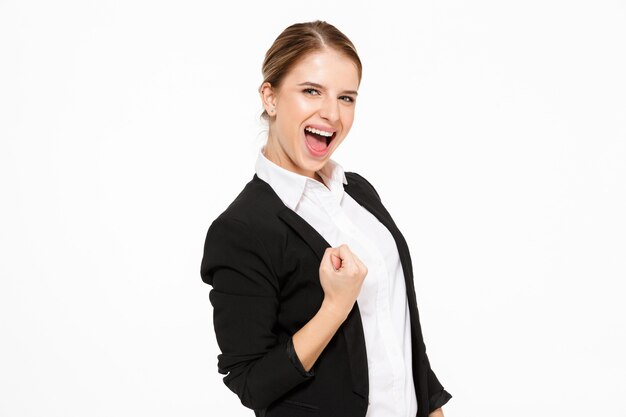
326,67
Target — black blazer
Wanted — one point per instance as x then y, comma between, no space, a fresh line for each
262,261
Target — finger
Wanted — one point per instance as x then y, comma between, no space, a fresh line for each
346,255
359,263
330,259
326,258
336,261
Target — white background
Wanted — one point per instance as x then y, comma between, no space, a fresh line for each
494,131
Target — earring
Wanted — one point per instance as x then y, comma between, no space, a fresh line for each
273,109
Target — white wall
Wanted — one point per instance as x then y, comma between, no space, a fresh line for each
127,126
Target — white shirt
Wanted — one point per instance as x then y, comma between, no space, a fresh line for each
382,301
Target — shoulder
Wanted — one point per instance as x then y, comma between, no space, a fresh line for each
257,202
239,237
357,181
251,217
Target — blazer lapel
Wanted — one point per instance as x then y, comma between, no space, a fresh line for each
365,198
352,327
374,206
312,238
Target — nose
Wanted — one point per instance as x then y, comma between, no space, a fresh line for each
330,109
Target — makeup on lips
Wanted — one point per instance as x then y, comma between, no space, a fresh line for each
318,139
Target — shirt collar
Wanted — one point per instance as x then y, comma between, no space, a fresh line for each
290,186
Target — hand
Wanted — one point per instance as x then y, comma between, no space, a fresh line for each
341,276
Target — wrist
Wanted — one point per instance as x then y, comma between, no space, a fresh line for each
334,311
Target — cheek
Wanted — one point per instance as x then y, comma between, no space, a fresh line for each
347,118
289,115
300,108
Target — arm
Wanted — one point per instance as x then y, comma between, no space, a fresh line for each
245,305
341,277
436,413
245,299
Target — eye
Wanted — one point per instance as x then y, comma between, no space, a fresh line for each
347,99
311,91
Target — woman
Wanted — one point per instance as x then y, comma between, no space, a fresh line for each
313,296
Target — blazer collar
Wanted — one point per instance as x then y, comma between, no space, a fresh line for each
311,236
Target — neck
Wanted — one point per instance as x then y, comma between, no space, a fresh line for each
277,155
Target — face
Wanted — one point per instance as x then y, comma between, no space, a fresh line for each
311,112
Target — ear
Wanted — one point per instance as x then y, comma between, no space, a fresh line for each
268,98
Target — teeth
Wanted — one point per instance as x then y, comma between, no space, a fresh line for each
319,132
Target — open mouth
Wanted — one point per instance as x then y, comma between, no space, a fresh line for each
318,140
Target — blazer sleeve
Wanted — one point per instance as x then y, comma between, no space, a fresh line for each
245,299
437,395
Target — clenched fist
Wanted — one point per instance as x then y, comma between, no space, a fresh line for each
341,276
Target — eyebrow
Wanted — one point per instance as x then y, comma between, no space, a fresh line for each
321,87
